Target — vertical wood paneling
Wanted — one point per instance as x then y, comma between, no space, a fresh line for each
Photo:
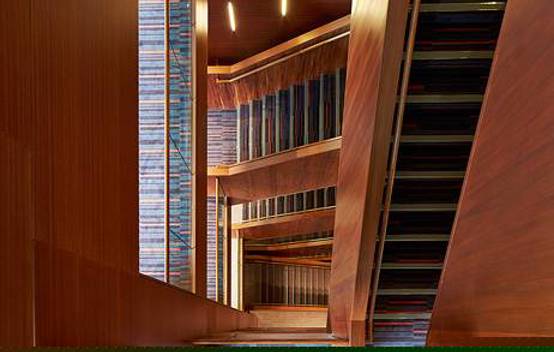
16,217
16,255
498,281
69,155
375,52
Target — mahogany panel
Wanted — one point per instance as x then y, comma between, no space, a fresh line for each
498,278
300,169
374,57
69,182
16,213
311,221
16,230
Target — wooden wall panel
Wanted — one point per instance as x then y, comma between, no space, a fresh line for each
68,178
16,217
375,52
498,282
16,256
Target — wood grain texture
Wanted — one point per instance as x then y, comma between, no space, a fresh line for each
69,139
200,145
310,221
374,57
290,317
280,66
16,230
307,65
16,212
275,336
497,283
317,162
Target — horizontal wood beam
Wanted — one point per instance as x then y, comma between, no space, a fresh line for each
286,261
305,222
305,168
323,242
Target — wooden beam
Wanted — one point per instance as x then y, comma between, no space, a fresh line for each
309,221
285,260
299,169
497,284
200,144
374,57
323,242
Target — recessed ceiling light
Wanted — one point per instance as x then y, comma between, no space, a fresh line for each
232,20
283,8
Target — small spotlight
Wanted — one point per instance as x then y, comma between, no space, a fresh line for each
283,8
231,12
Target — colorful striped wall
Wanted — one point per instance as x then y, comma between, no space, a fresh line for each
152,141
222,149
151,138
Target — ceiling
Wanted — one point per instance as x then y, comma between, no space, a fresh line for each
260,25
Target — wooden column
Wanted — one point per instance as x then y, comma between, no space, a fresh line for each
200,142
228,222
374,58
498,282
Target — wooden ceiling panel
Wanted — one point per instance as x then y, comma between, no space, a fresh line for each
260,25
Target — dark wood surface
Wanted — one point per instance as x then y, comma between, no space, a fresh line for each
498,279
69,129
16,251
287,225
16,212
375,52
300,169
260,25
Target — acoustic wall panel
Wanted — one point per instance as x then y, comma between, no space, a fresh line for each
284,119
257,131
298,115
313,107
180,144
222,141
244,132
270,124
151,138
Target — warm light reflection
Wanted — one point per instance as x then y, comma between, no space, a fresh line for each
232,20
283,8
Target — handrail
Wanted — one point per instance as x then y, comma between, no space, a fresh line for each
393,162
341,27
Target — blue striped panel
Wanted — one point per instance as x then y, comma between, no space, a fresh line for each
180,163
151,138
222,150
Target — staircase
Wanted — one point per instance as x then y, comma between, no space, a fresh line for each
452,54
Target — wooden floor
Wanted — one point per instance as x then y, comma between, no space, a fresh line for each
272,337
